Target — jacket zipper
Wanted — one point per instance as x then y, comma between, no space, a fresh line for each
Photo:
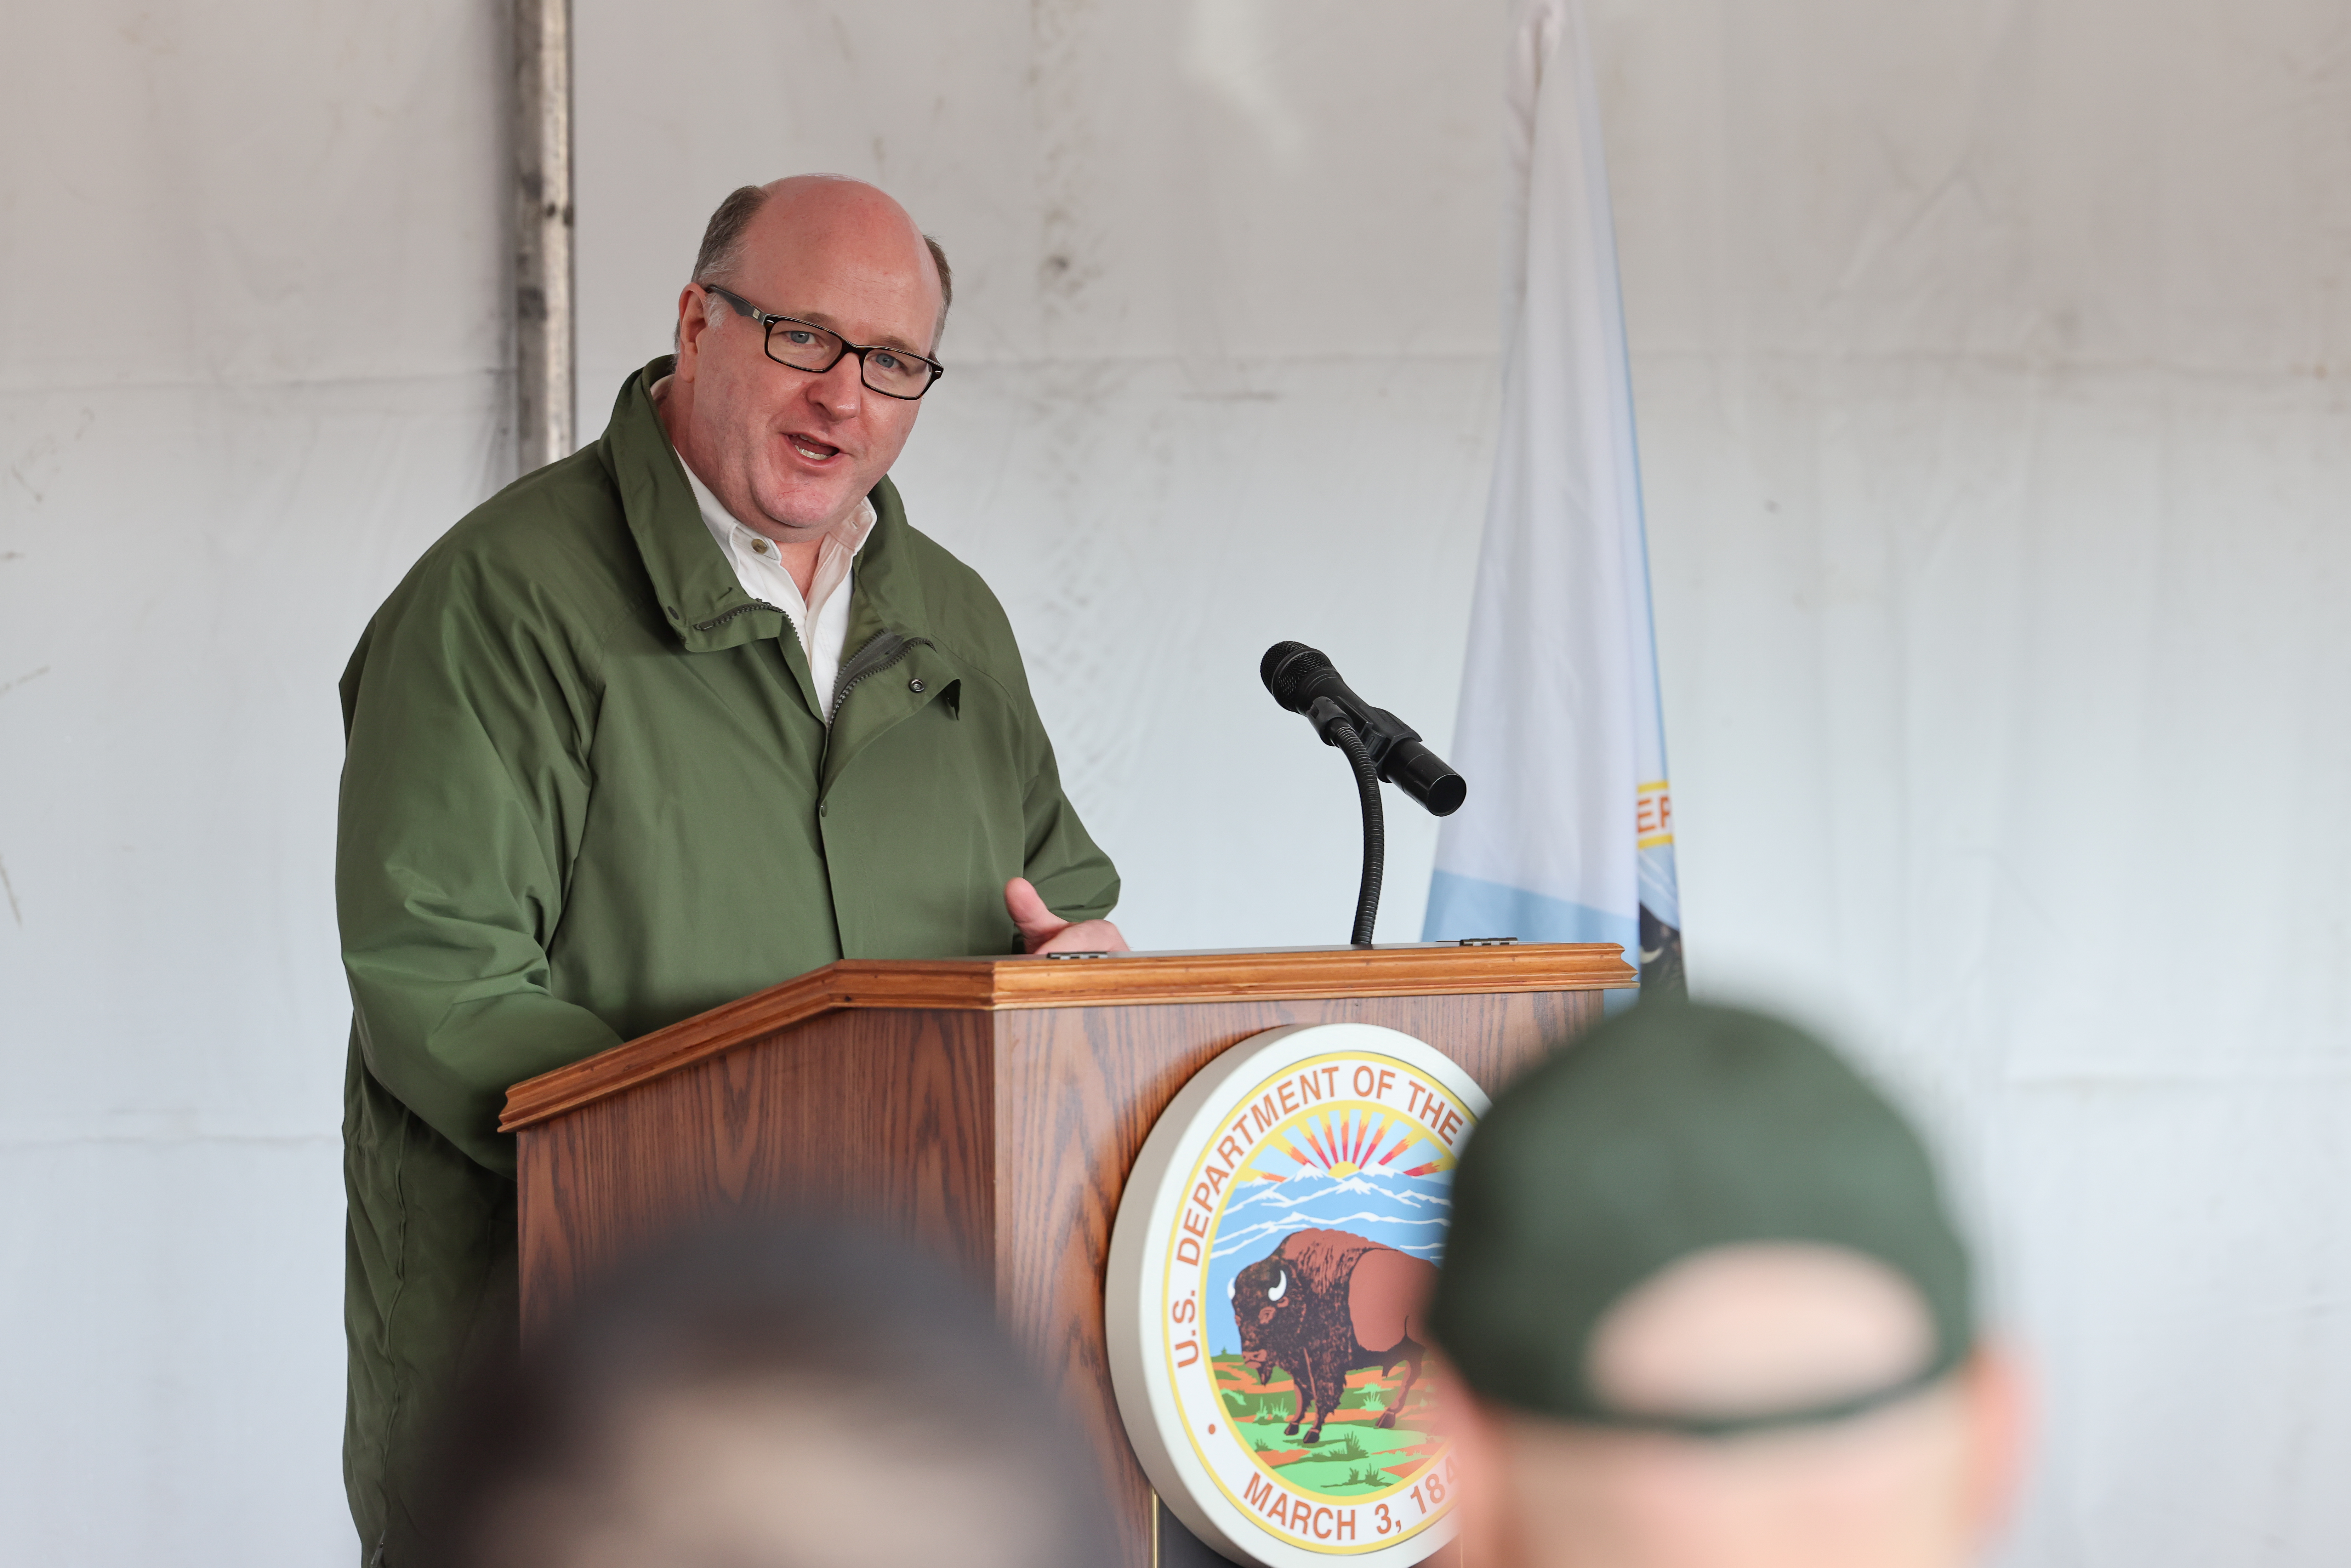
714,625
885,649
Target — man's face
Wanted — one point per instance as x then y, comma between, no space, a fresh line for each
789,452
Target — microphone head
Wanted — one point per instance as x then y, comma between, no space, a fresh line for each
1286,667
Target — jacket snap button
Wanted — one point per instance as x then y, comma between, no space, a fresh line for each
915,685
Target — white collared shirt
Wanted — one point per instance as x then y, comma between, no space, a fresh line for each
822,617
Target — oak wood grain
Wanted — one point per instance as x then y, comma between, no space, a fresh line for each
879,1118
1126,979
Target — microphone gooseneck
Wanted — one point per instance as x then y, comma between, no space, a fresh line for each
1375,840
1377,745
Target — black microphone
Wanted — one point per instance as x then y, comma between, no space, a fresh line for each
1301,679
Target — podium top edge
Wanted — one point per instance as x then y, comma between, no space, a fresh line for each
1018,982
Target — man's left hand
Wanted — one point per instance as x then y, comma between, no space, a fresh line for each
1043,931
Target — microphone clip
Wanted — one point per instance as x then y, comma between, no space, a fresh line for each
1380,731
1326,716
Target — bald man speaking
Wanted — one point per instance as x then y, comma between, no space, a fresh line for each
690,712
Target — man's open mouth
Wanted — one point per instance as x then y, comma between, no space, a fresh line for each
813,450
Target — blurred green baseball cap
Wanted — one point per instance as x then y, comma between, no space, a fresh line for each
1673,1130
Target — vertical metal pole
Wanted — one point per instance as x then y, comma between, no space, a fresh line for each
546,379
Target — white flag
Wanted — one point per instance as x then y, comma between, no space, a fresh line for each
1567,834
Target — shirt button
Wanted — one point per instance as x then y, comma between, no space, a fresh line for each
761,546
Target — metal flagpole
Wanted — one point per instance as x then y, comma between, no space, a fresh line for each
546,379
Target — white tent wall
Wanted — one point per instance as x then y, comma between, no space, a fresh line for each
251,339
1990,361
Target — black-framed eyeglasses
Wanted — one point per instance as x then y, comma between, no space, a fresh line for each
805,346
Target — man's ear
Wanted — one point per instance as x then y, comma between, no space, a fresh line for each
1998,1416
692,321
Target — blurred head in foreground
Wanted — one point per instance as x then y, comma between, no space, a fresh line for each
1711,1311
797,1397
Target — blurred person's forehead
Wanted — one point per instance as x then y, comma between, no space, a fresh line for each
1757,1328
1879,1489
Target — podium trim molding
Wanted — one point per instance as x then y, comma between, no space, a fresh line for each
1124,979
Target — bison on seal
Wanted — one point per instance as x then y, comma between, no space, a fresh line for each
1325,1303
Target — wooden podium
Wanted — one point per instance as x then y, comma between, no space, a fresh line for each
988,1108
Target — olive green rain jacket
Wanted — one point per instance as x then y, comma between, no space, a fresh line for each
586,793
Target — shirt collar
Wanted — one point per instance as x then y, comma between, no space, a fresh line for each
849,535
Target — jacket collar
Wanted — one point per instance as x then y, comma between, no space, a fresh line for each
696,590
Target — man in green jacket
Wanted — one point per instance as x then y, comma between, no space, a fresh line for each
686,714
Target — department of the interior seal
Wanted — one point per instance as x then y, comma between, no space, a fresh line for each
1269,1282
